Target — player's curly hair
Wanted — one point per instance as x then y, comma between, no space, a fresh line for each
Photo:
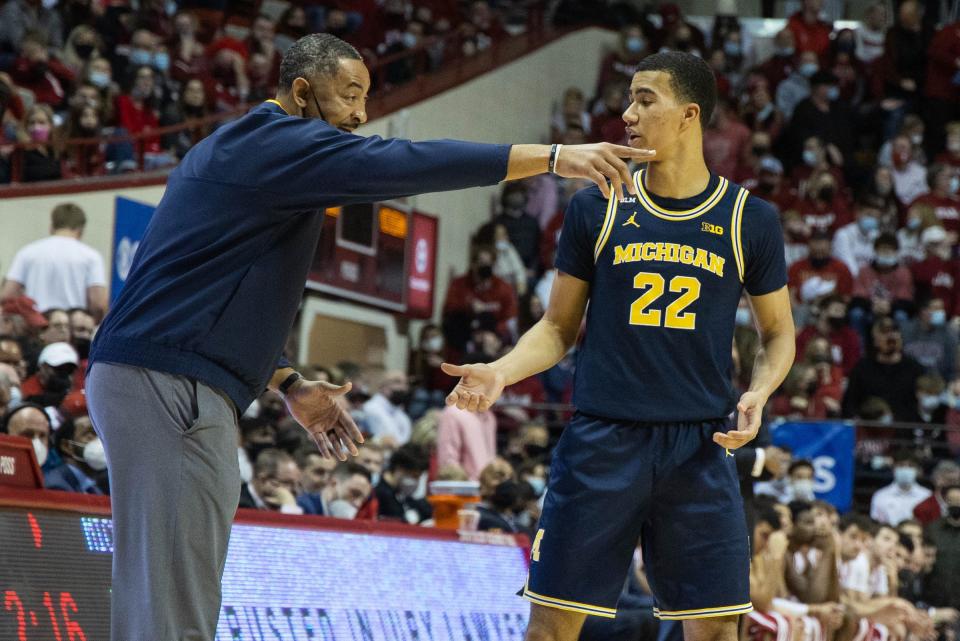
313,55
691,79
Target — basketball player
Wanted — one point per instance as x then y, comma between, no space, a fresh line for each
646,454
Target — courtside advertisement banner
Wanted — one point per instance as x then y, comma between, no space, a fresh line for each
281,583
829,445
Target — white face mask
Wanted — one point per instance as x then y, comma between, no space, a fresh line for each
246,469
433,344
15,397
341,509
40,449
94,455
803,489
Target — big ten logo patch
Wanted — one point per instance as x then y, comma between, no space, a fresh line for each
713,229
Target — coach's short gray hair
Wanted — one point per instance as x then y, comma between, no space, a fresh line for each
315,54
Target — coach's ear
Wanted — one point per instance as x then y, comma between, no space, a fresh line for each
691,116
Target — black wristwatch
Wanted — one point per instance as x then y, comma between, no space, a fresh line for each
288,383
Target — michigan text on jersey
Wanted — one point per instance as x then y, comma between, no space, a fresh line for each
670,253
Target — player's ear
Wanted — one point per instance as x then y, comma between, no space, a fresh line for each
691,116
300,90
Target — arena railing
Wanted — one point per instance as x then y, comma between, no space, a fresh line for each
386,98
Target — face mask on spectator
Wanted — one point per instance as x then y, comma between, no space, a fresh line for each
99,78
340,509
833,93
929,403
916,139
826,193
407,485
807,69
731,48
810,157
887,260
635,44
39,133
93,454
484,271
905,476
786,52
140,57
246,469
836,322
914,223
743,317
503,245
15,397
399,397
161,61
938,317
953,511
433,344
766,111
58,382
953,145
760,150
82,345
818,262
954,184
538,484
803,489
84,50
40,449
868,225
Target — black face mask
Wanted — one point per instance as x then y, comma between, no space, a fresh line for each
399,397
505,495
819,263
760,150
535,451
484,272
82,345
84,51
826,194
766,188
953,511
59,383
836,322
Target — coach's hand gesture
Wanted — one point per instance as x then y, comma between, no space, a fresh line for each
749,413
602,162
479,387
316,406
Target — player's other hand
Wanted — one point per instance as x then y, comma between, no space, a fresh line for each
314,404
479,387
749,412
601,163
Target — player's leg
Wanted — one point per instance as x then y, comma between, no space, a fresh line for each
175,484
711,629
695,541
600,484
553,624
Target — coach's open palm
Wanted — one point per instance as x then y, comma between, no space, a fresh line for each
315,405
479,387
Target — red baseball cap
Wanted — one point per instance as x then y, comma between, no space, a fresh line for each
26,307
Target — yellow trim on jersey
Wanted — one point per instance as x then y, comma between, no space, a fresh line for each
573,606
607,227
736,220
703,613
277,103
652,207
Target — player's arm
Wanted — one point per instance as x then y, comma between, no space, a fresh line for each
539,349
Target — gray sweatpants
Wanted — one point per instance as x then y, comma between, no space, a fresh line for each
171,446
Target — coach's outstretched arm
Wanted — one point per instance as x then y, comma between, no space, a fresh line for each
539,349
773,361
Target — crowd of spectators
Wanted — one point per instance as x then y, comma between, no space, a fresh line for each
854,135
103,72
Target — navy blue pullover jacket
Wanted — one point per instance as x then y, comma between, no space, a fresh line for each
216,282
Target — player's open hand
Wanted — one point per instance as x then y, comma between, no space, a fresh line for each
479,387
601,163
749,412
314,404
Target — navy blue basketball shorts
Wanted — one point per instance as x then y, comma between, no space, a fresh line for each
669,488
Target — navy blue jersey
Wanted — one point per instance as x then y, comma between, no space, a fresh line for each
665,277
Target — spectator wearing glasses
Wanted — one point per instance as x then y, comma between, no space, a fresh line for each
84,467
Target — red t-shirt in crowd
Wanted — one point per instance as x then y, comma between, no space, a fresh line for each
928,510
497,295
136,119
942,64
946,209
834,271
829,217
844,345
723,147
810,37
934,276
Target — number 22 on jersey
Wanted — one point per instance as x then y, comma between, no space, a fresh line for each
673,317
